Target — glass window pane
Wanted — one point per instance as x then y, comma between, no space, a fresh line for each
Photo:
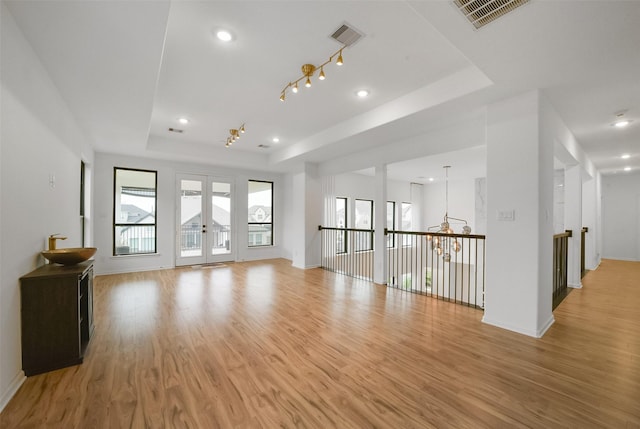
341,212
406,223
341,222
391,222
134,211
260,213
259,234
364,220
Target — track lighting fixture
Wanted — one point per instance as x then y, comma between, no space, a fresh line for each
308,71
234,134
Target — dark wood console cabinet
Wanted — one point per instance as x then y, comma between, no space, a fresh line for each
57,316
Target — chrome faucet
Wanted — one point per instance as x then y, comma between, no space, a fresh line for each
52,240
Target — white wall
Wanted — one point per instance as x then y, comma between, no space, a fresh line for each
519,182
558,201
166,212
39,140
621,216
462,203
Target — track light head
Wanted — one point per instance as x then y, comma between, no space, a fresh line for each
308,83
321,76
295,88
339,61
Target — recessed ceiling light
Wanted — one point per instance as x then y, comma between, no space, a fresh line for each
183,121
275,140
627,169
224,35
362,93
621,123
431,179
625,156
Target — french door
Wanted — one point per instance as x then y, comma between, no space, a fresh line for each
204,220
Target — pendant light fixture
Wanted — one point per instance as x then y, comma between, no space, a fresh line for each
443,244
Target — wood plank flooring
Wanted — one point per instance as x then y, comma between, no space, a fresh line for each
264,345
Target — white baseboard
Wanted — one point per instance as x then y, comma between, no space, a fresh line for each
12,389
531,333
575,285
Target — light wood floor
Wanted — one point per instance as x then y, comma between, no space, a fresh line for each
262,344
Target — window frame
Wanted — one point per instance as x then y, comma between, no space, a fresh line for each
249,243
116,225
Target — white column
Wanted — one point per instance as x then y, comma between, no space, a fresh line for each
573,222
518,292
380,223
307,215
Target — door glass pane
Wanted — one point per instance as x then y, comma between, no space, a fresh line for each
220,218
190,218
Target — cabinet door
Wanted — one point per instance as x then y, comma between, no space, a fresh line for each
50,323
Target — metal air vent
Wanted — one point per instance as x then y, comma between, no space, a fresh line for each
482,12
176,130
264,146
346,35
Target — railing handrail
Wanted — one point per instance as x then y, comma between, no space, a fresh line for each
567,233
333,228
435,234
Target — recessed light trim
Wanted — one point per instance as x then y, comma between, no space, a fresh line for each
431,179
183,121
627,169
625,156
275,140
224,35
362,93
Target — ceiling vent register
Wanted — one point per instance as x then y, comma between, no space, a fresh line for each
482,12
346,35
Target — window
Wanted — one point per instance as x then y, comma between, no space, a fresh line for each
406,223
364,220
391,223
341,222
134,211
260,219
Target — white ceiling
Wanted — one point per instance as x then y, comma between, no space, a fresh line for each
129,69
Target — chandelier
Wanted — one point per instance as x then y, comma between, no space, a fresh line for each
443,244
308,71
234,134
